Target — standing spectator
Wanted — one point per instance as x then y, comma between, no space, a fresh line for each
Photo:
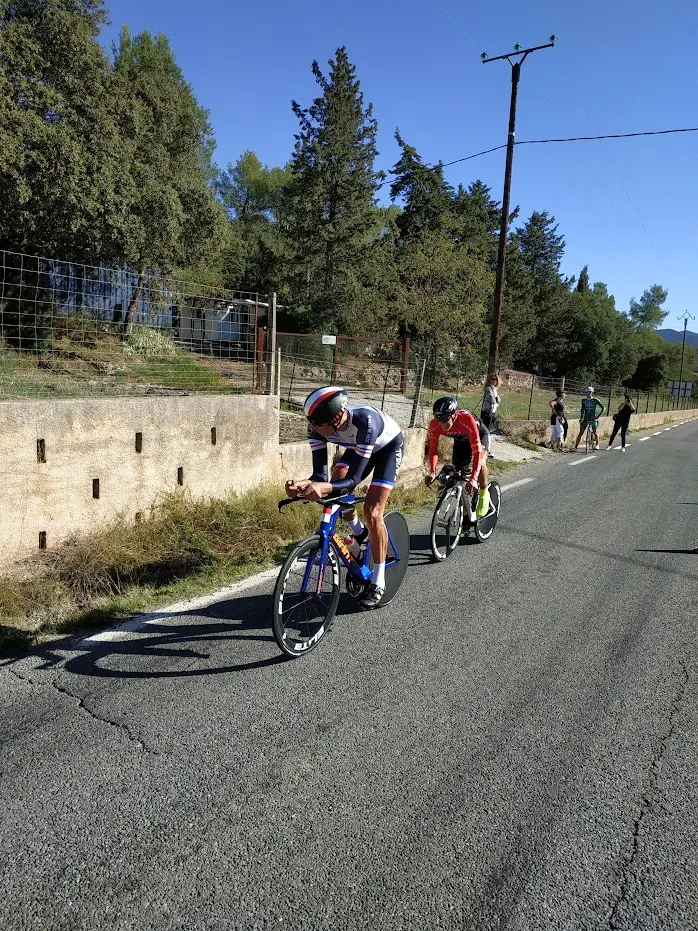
558,421
490,401
621,422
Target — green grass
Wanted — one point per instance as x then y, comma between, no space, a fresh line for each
183,549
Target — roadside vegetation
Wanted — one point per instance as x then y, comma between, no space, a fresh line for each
181,549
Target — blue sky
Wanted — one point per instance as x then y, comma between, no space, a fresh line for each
625,207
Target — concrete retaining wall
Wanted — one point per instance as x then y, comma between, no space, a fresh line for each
69,466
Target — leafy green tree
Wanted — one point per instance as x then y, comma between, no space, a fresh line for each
171,217
57,136
257,250
252,192
647,313
58,152
330,200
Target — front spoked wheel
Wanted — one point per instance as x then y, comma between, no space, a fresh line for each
484,526
305,597
446,524
589,441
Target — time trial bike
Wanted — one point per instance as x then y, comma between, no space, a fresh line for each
307,589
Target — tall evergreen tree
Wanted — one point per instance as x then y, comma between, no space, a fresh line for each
331,196
583,282
426,197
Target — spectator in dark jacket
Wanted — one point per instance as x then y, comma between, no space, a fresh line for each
622,421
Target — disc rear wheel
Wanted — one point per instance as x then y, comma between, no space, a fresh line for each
484,526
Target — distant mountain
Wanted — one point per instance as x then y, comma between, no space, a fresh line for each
676,336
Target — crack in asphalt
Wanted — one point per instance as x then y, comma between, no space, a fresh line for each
83,706
647,802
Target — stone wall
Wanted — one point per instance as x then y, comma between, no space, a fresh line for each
69,466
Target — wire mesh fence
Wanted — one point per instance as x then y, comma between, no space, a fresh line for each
389,383
77,330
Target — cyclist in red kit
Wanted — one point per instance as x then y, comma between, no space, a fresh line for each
471,440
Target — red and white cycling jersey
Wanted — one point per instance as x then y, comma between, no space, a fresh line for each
465,426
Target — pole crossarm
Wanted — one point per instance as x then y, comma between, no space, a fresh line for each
486,59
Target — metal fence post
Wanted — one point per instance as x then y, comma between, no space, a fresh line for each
418,394
647,406
271,344
405,364
293,372
259,359
610,398
530,400
385,383
335,362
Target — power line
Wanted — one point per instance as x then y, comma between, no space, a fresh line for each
655,132
456,24
466,158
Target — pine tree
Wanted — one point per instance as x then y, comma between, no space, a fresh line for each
583,282
647,313
330,204
426,198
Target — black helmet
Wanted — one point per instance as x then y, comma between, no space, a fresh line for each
325,405
445,407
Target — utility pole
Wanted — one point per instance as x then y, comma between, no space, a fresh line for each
686,316
521,54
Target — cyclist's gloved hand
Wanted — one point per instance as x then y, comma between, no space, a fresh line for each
429,479
471,487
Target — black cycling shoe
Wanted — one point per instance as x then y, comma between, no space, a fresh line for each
373,596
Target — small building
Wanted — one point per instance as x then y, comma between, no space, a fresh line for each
216,320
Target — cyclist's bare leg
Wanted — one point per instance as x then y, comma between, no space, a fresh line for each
374,506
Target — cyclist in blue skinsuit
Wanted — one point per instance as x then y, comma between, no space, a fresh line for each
373,443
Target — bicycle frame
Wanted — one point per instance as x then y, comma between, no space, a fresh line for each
327,532
458,480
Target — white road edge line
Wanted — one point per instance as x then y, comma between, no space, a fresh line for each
667,429
580,461
163,616
643,438
658,433
521,481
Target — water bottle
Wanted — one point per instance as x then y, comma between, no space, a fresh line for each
353,547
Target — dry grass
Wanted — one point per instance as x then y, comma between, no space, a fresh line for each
183,548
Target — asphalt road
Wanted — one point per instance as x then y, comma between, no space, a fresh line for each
513,743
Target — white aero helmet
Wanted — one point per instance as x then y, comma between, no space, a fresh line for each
589,389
